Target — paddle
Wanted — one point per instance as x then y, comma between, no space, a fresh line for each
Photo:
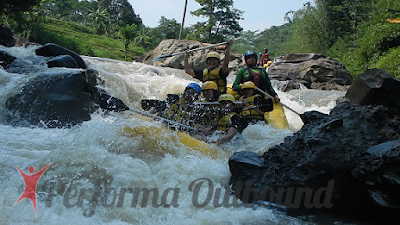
214,103
161,57
163,119
263,92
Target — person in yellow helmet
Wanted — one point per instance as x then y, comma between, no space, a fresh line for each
254,105
180,107
214,71
229,123
229,90
207,108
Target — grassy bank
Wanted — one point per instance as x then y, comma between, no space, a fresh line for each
82,40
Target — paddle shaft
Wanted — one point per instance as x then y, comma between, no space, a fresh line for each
213,103
191,50
163,119
263,92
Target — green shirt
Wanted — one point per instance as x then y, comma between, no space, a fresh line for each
264,83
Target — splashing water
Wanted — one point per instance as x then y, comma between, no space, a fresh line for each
96,161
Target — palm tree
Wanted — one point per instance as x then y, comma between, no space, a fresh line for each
127,34
101,19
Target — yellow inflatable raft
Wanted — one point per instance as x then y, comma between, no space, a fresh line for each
164,137
277,117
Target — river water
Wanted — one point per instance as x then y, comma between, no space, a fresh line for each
91,164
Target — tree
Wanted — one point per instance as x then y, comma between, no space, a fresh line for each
101,20
223,20
168,28
142,37
127,33
13,8
121,12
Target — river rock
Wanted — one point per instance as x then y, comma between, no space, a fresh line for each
196,60
51,49
56,97
315,71
6,36
348,159
62,61
6,59
375,87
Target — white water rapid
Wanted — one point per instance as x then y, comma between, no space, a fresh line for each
96,155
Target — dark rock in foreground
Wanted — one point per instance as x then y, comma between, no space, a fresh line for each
346,162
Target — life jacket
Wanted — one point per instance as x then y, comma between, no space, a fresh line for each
206,115
251,114
179,111
213,75
225,122
253,75
264,59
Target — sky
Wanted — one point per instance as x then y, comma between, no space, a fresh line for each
258,14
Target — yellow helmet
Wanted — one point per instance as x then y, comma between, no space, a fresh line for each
269,62
248,84
213,55
226,97
229,90
209,85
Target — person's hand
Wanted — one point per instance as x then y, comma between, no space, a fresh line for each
277,99
230,42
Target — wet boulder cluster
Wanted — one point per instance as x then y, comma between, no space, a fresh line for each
351,155
58,89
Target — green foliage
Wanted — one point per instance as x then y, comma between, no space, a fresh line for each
70,35
351,31
127,34
389,62
168,28
13,8
222,24
121,12
354,32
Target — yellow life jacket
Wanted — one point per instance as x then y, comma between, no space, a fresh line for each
206,115
225,122
179,112
213,75
251,113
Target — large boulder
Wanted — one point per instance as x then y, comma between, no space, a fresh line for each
345,162
6,37
55,97
314,71
375,87
6,59
196,60
330,148
52,99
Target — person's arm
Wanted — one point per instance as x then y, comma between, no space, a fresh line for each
231,133
227,57
269,88
239,79
188,70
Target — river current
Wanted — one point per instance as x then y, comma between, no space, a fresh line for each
95,169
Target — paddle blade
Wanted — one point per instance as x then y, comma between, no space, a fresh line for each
161,57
